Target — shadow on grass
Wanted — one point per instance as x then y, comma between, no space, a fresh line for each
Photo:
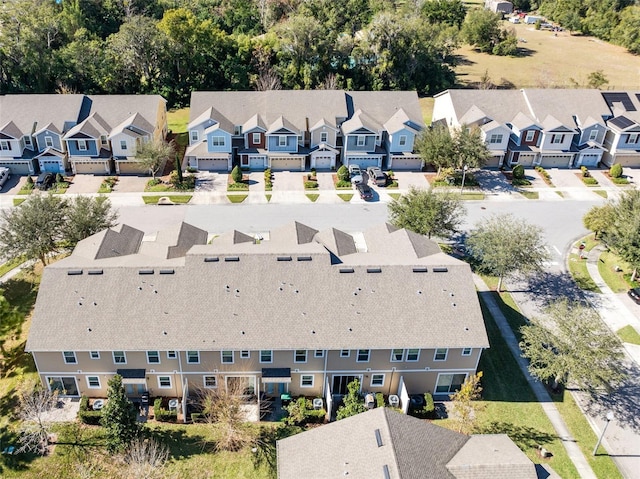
181,446
266,455
524,436
21,294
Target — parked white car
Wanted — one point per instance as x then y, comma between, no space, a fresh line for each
355,174
5,173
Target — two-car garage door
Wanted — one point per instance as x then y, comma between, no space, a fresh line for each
286,164
91,167
362,162
213,164
16,167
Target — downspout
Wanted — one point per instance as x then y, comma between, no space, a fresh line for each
324,374
181,375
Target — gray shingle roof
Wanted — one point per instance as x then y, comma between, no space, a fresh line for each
32,113
236,294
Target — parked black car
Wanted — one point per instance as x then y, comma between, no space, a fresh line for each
366,193
45,181
635,294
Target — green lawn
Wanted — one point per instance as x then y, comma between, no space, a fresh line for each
313,197
18,201
9,265
602,193
237,198
530,195
177,120
395,196
26,189
153,199
268,197
618,281
472,195
629,335
345,196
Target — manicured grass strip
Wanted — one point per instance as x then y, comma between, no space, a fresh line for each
9,265
177,120
395,196
618,281
629,335
472,196
530,195
237,198
578,267
268,197
345,196
104,189
18,201
602,193
153,199
26,190
313,197
238,187
559,193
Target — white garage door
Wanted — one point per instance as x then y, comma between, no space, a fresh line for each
551,161
323,162
283,164
362,162
213,164
406,164
52,166
16,167
589,160
628,160
91,167
257,162
524,160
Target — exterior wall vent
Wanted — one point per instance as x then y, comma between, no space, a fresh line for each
94,271
374,270
74,272
304,258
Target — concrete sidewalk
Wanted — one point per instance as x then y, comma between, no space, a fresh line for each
572,448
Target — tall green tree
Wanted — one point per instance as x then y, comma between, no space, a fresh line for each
571,345
427,212
481,29
623,232
465,405
504,245
153,155
436,147
352,402
469,148
451,12
119,416
597,219
87,216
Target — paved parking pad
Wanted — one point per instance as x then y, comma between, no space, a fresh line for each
566,178
407,179
287,181
208,181
131,184
493,182
13,185
83,184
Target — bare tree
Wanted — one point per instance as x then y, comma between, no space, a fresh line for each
145,459
34,402
330,82
464,403
268,79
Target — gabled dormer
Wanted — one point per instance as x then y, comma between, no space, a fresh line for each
323,132
10,144
282,135
591,132
495,136
361,133
401,132
525,131
197,127
88,138
556,135
126,137
254,130
48,136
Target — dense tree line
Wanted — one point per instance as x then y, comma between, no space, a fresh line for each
172,47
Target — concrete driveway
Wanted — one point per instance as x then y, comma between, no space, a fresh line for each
564,178
409,179
210,181
288,181
13,185
131,184
82,184
493,182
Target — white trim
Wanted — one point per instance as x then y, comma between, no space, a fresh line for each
270,356
435,353
66,361
157,355
280,138
124,355
160,386
464,353
402,141
316,355
313,380
253,138
48,142
193,137
91,354
345,353
84,147
187,356
361,140
204,381
175,354
593,134
99,386
222,357
124,145
401,356
60,376
531,133
452,373
358,360
412,360
295,356
245,354
377,385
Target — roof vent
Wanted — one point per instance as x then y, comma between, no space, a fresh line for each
374,270
284,258
94,271
379,438
232,258
440,269
167,271
211,259
342,270
304,258
145,271
420,269
74,272
385,472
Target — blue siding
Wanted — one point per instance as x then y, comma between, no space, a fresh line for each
92,148
292,143
394,145
369,143
214,148
40,139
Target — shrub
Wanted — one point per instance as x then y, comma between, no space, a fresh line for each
585,172
390,173
520,182
197,417
267,174
157,404
301,412
343,184
518,172
191,169
313,172
310,185
379,400
86,415
587,180
620,181
343,173
429,406
165,416
236,174
59,178
84,404
615,171
29,180
154,182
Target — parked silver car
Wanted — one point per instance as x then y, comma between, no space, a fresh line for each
377,176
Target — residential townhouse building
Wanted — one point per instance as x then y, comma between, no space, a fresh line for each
546,127
303,129
622,140
301,311
77,133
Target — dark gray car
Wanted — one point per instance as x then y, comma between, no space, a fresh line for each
377,176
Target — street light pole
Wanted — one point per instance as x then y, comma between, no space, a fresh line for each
609,417
464,172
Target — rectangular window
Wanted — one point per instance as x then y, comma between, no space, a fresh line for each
218,141
164,382
194,135
237,130
266,356
153,357
227,357
4,145
363,356
172,355
396,355
123,144
93,382
256,138
345,353
449,383
361,140
318,353
593,135
413,355
531,134
193,357
282,141
210,382
632,138
300,356
556,139
48,141
94,354
69,357
466,351
103,139
403,140
119,357
377,380
245,354
27,141
495,139
306,381
441,354
324,137
82,145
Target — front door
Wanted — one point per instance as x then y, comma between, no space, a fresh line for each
340,384
135,389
